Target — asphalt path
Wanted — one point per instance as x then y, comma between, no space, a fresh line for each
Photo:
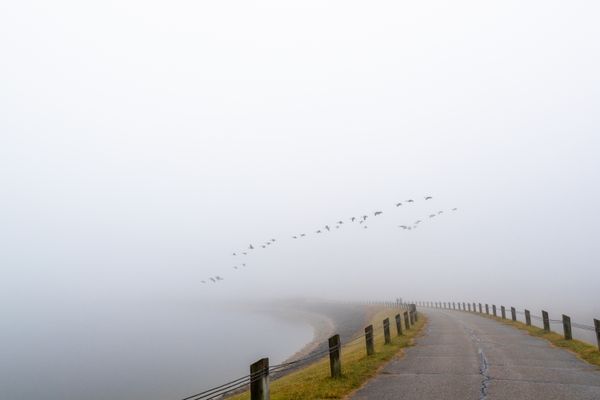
466,356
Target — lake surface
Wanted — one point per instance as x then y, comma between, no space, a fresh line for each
166,351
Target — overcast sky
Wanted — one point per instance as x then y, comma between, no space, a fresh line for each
142,142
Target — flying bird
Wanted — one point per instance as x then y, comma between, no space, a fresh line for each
440,212
263,246
352,219
295,237
203,281
365,217
454,209
302,234
428,197
365,227
410,201
398,204
219,278
418,221
319,231
340,222
212,279
251,247
327,227
244,253
402,226
235,267
376,213
431,215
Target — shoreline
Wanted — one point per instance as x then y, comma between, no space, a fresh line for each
325,319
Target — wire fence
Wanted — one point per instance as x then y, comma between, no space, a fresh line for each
565,322
245,382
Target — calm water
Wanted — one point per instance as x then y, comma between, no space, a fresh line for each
165,351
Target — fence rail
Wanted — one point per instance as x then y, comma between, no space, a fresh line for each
565,321
260,371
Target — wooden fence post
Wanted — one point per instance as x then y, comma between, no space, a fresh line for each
503,311
513,313
597,327
334,356
527,318
480,309
546,320
369,340
413,309
567,327
469,306
399,324
386,331
464,306
474,310
454,305
487,309
406,320
259,384
494,310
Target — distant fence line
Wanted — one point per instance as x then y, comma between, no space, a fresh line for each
260,371
478,308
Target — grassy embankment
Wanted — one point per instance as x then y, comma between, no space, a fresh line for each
314,381
583,350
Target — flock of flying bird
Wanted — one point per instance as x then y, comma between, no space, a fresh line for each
362,220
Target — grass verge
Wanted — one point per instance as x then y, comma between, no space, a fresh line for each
314,381
583,350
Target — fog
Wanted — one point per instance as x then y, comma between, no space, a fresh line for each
141,143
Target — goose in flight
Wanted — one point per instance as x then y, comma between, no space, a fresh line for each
302,234
428,197
235,267
294,237
398,204
243,265
352,219
410,201
402,226
203,281
263,246
327,227
340,222
376,213
319,231
213,279
219,278
244,253
234,254
365,217
454,209
417,221
431,215
337,227
273,240
251,247
440,212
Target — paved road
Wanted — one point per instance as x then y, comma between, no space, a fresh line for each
465,356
